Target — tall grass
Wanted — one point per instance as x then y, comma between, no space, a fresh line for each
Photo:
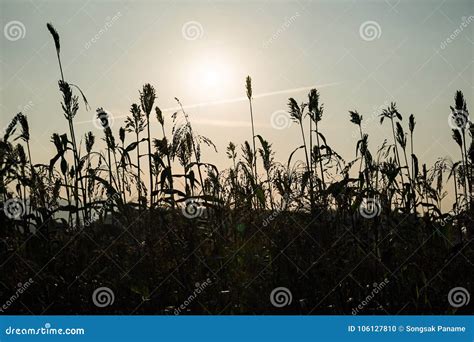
378,176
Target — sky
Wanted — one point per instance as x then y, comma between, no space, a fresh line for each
360,55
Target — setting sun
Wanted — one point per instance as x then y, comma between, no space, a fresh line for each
209,77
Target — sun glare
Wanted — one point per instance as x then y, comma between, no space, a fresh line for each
210,77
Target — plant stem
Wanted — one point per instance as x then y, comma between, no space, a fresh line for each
253,142
139,185
149,161
307,161
320,159
169,166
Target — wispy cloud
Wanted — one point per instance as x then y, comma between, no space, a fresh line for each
234,100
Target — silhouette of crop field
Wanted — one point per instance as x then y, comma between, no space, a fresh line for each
146,226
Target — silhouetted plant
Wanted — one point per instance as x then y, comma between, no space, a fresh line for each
136,124
147,98
70,106
248,87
